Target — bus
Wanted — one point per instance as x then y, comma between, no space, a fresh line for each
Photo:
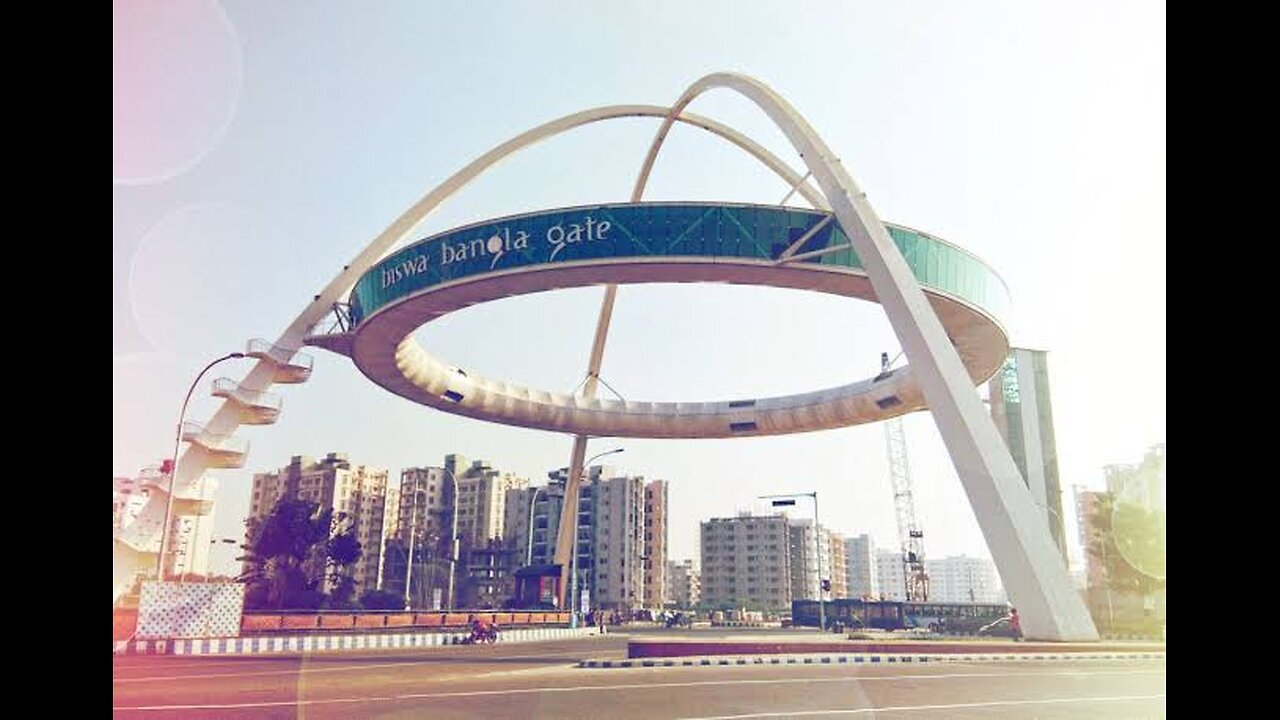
943,617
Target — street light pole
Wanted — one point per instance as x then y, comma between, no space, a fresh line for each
817,562
453,536
528,560
173,469
783,500
573,561
413,537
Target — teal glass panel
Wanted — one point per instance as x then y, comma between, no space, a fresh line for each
708,230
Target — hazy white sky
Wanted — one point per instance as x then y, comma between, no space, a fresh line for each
259,146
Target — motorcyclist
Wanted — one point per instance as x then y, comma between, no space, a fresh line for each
482,631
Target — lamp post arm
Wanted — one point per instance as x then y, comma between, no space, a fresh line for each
173,469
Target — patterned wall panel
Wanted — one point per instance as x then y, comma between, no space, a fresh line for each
190,610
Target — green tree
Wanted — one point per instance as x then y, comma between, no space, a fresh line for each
381,600
295,553
1129,542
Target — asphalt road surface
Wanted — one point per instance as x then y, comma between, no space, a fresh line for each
540,680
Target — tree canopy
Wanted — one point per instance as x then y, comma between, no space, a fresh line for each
299,558
1129,542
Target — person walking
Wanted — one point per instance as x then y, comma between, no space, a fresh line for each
1015,625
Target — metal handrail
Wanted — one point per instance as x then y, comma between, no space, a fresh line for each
194,432
278,354
253,398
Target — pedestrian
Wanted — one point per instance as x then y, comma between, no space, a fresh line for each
600,619
1015,625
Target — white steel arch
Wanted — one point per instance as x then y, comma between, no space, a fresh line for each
1029,563
135,547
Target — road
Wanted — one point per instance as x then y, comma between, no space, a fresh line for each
540,681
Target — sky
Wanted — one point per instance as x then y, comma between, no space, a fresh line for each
258,147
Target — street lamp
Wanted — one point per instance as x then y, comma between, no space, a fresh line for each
528,560
573,561
784,500
173,470
453,535
413,536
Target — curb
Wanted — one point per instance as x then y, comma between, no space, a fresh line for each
857,659
281,644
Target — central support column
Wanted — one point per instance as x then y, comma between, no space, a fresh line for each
566,544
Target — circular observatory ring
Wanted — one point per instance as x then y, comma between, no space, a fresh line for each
680,242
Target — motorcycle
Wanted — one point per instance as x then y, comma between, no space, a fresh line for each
486,634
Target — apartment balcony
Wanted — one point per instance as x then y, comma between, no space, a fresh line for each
223,451
291,366
256,407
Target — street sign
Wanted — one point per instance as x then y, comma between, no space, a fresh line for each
586,602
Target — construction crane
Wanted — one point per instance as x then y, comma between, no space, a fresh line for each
910,536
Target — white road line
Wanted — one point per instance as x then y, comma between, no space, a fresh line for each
906,708
629,686
340,668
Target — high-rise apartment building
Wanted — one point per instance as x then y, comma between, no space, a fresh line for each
891,575
190,533
655,544
1023,412
1142,484
615,508
485,561
963,579
481,499
531,517
860,567
357,492
418,511
622,534
747,559
684,584
831,562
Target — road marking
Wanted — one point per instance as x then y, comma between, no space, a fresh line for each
628,686
340,668
953,706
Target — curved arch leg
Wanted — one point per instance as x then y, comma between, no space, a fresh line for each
1029,562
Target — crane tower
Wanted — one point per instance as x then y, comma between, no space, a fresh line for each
910,536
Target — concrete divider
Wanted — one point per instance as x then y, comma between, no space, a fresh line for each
370,621
337,622
298,622
334,642
261,623
254,623
860,658
682,647
124,622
